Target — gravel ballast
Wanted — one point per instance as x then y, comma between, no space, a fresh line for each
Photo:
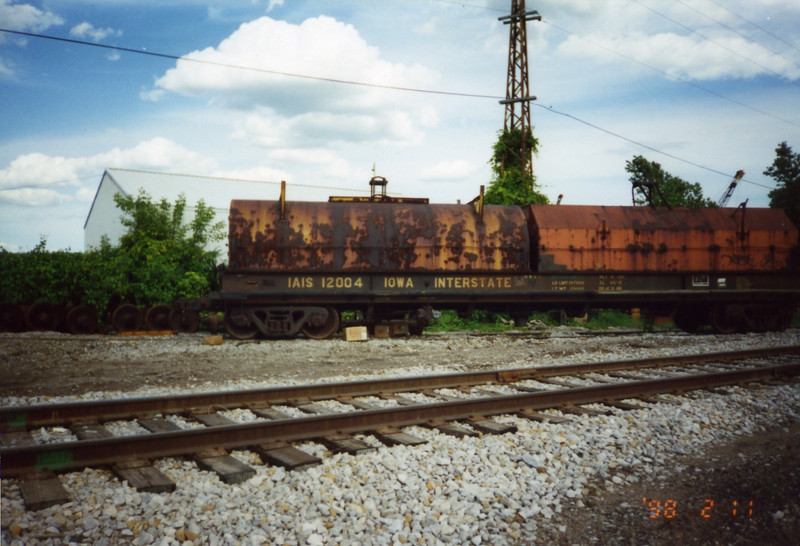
574,483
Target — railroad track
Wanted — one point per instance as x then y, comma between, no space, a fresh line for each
462,404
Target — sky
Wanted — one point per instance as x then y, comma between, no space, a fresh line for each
321,92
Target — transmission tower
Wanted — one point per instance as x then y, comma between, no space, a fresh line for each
517,94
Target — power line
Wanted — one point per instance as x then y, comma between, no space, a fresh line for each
248,68
365,84
66,181
740,33
679,78
759,27
51,183
646,146
465,4
726,48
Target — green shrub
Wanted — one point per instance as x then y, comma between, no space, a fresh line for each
159,260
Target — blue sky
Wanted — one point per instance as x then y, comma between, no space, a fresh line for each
708,86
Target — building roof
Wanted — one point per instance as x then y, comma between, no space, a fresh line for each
216,192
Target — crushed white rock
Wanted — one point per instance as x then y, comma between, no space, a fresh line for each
483,490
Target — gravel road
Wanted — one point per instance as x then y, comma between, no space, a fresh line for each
582,482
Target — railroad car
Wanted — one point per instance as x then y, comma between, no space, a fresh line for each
297,266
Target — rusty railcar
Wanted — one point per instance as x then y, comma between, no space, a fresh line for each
293,266
297,266
315,237
643,239
727,267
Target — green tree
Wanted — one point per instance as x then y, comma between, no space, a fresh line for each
511,184
162,257
785,170
664,189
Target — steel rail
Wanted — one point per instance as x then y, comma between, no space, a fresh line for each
66,456
15,417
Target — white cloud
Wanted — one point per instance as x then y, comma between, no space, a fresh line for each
26,17
5,70
318,48
329,163
32,182
153,95
273,4
36,169
259,173
286,110
34,197
449,170
295,113
689,57
158,153
697,40
87,30
314,129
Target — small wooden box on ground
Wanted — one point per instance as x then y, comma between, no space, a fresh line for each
356,333
383,331
399,328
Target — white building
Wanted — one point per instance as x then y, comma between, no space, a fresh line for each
104,216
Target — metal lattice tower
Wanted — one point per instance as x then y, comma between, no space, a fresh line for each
517,93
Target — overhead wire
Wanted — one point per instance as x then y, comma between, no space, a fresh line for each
734,30
374,85
673,76
651,148
683,80
273,182
726,48
51,183
759,27
244,67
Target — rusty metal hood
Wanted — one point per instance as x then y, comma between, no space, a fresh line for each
637,239
336,236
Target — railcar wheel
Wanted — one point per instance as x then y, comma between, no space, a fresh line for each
41,316
723,320
187,321
762,318
688,319
239,325
784,318
157,317
319,328
12,318
127,318
82,319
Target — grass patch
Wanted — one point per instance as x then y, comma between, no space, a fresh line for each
481,321
598,319
485,321
603,319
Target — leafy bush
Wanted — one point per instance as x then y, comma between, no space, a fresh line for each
61,277
160,258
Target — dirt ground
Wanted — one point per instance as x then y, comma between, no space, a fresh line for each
763,468
745,492
126,363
